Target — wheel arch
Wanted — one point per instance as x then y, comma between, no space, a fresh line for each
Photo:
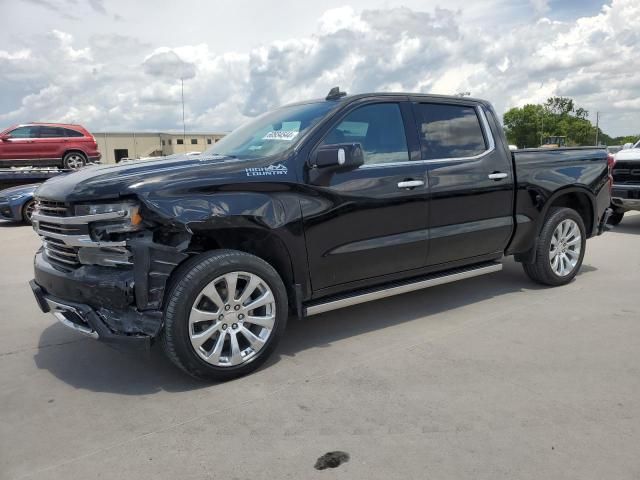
74,150
262,243
578,198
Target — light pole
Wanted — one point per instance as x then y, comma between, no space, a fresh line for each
597,126
184,128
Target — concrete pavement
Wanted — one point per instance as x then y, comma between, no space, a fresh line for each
488,378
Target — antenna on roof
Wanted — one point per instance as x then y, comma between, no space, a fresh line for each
335,94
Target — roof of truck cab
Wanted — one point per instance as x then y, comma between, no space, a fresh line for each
358,96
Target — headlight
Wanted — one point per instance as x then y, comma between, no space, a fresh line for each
108,230
130,208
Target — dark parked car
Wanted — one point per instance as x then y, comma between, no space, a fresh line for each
312,207
17,203
38,144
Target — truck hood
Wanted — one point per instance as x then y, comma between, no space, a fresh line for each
142,177
629,154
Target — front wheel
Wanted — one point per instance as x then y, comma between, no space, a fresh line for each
225,313
27,211
560,248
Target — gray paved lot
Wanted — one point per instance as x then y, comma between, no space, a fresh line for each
490,378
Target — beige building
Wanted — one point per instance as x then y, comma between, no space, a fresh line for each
115,146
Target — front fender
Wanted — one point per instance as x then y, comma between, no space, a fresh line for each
264,223
220,210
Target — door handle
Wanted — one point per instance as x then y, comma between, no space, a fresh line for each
497,175
410,184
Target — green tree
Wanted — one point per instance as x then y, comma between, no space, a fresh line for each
559,106
522,125
527,126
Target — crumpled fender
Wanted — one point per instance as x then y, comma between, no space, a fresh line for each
218,210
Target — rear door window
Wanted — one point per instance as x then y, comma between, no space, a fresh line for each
51,132
449,131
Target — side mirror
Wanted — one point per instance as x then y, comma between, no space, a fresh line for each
4,138
627,146
347,156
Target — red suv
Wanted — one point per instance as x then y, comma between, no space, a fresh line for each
46,144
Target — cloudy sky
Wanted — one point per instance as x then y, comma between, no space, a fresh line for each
116,64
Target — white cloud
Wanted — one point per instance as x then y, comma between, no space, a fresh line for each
121,82
540,6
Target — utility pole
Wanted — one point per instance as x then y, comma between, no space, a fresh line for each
597,127
184,128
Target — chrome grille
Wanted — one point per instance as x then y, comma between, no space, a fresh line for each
52,208
57,251
67,237
60,228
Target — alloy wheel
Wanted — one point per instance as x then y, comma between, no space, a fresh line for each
75,161
232,319
565,247
28,210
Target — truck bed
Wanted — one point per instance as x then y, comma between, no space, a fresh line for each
544,173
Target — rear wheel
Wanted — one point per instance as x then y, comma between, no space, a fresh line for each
615,218
560,248
74,160
27,211
226,312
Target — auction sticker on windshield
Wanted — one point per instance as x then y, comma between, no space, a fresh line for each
286,135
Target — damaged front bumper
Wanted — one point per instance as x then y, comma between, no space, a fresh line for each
96,301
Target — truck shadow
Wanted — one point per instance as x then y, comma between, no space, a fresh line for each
322,330
630,224
90,365
86,364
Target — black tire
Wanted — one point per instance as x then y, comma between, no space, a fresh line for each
74,160
615,218
187,284
27,210
540,271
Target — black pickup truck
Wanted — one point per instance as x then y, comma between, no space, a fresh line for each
312,207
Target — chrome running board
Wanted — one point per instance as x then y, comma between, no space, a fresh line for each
397,289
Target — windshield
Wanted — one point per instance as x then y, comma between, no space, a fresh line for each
272,132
